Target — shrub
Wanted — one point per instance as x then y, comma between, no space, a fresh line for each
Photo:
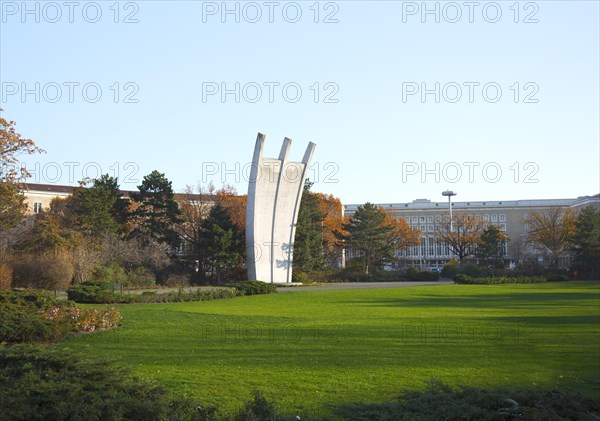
441,402
112,273
254,288
46,383
49,270
466,279
37,317
471,269
301,277
141,277
6,274
450,269
94,293
258,409
424,276
556,277
177,280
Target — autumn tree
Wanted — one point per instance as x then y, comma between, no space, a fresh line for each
333,221
463,236
308,241
156,211
586,243
552,230
12,146
491,245
403,235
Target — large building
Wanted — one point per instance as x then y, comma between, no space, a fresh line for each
509,215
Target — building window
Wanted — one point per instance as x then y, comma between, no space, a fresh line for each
438,219
502,227
415,228
430,219
494,218
502,217
486,217
415,219
422,219
430,228
37,207
407,219
423,228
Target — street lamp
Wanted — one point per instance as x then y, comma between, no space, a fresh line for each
449,193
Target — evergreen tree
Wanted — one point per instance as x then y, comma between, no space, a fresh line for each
491,245
369,234
100,209
221,240
308,240
586,243
156,211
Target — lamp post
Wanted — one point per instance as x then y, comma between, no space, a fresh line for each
449,193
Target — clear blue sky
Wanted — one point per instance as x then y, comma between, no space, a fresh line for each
377,138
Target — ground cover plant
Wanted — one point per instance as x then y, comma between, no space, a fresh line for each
313,352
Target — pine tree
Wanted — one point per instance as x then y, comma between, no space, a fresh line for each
371,236
156,211
308,240
221,241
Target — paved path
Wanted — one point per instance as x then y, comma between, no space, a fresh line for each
363,285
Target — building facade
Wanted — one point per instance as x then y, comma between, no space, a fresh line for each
510,216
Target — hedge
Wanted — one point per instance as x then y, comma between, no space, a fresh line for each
95,293
466,279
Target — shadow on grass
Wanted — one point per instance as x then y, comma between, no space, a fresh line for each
492,300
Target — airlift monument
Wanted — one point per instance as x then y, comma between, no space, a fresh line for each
274,193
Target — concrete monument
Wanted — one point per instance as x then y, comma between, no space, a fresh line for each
274,193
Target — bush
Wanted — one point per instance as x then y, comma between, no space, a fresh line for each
424,276
441,402
38,317
47,383
466,279
95,293
112,273
471,269
557,277
258,409
6,274
254,288
50,270
177,280
141,277
450,269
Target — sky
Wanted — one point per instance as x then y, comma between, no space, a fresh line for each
493,100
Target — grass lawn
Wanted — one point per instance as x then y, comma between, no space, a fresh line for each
308,349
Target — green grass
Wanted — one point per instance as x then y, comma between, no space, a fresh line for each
309,349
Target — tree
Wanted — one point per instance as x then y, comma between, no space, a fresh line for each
370,236
333,221
463,237
100,209
586,243
221,241
403,235
491,245
552,230
308,240
12,145
156,211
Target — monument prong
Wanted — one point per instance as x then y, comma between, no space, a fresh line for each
274,193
